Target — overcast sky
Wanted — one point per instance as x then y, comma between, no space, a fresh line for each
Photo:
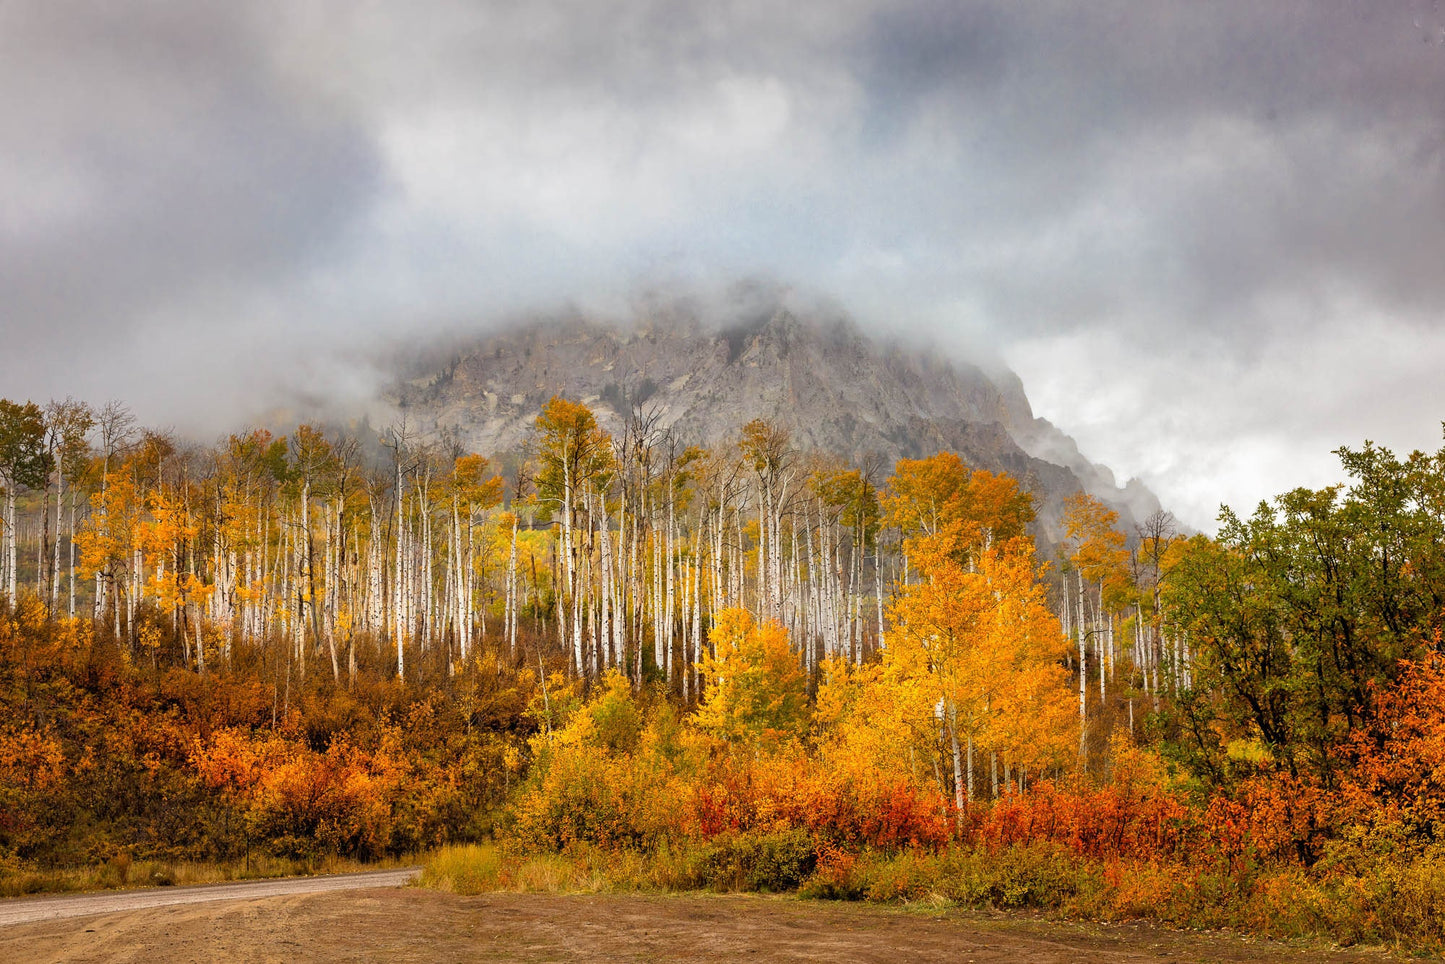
1209,236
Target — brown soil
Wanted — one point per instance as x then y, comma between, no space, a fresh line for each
419,925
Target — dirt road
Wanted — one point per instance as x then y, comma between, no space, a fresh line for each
419,925
116,901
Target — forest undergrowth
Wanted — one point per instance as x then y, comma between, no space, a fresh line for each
653,667
116,772
627,799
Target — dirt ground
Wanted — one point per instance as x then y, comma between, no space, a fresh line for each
418,925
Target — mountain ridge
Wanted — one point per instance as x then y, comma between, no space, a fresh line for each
834,388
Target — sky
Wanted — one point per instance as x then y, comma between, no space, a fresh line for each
1210,237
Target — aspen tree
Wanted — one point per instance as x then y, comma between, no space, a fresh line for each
398,439
311,460
1099,560
115,424
1155,535
23,464
766,449
573,453
68,423
340,604
471,492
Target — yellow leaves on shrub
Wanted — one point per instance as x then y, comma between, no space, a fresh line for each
31,760
756,691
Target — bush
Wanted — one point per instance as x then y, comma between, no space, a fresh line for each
763,862
463,869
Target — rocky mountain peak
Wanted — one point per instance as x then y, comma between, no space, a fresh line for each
834,388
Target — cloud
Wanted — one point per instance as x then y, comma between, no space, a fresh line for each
1154,212
156,163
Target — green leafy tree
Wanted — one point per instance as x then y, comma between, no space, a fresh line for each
1299,614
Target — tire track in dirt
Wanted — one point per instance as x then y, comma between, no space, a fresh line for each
27,909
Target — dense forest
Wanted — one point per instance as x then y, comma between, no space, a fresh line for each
748,664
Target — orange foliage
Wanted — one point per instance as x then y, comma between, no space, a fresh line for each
339,799
940,501
794,790
1271,816
1138,814
1399,761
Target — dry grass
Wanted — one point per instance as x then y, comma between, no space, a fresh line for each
1395,905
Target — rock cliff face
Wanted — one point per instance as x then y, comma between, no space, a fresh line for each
833,388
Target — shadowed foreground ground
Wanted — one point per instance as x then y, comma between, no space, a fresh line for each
419,925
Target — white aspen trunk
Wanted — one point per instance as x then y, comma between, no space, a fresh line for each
231,626
566,570
1188,663
397,612
342,580
719,600
453,602
375,573
328,582
1155,658
962,783
855,605
200,643
823,578
1066,609
608,594
133,590
878,583
42,537
55,548
5,531
839,590
283,566
669,618
848,643
818,582
425,592
762,579
637,561
470,608
620,580
812,600
657,640
1102,644
632,588
689,670
218,569
684,592
579,593
792,611
775,553
512,592
10,541
446,607
1138,654
1083,670
737,565
1111,649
